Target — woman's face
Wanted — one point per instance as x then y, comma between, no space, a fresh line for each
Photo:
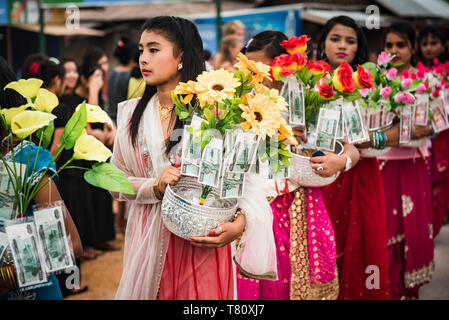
399,46
104,64
431,47
340,45
157,61
260,56
71,74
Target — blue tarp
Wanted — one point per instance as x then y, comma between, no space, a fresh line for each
3,12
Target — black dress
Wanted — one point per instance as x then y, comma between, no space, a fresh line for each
89,206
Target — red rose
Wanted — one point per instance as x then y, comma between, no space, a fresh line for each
35,68
295,44
363,79
318,67
342,78
301,59
326,91
283,65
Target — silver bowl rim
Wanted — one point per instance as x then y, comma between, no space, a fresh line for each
306,157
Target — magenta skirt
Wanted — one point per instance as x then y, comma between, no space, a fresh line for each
407,190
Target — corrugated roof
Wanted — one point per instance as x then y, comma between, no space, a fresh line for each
148,10
417,8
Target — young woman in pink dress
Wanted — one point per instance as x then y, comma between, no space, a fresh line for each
157,263
407,189
305,242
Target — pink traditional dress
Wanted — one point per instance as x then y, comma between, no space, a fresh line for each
407,190
305,247
159,265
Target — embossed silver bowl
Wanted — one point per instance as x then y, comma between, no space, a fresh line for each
413,143
302,173
182,214
372,152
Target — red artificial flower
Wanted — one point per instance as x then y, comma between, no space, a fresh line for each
326,91
284,65
318,67
363,79
342,78
295,44
35,68
301,60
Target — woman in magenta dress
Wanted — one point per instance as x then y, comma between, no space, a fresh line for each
355,201
407,189
305,242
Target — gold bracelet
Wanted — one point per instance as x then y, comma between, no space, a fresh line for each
157,192
12,276
6,279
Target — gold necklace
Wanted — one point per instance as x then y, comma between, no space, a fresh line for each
164,112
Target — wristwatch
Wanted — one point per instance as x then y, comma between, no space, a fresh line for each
348,163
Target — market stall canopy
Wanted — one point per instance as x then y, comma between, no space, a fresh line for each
145,11
322,16
417,8
61,30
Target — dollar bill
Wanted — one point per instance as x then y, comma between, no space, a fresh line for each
232,185
53,239
421,111
327,129
191,146
8,202
355,129
405,126
439,116
296,105
211,163
3,243
244,153
27,257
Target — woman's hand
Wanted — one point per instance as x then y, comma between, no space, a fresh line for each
365,144
300,133
95,82
223,235
330,162
171,176
3,289
419,132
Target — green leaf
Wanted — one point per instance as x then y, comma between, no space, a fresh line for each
75,127
415,83
183,115
47,134
352,96
107,176
285,162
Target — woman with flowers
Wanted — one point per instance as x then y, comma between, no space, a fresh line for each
157,263
355,201
432,53
299,275
10,102
407,184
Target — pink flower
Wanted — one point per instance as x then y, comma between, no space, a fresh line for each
392,73
405,74
423,87
406,83
446,86
385,92
413,76
435,61
404,97
420,74
364,92
383,58
435,93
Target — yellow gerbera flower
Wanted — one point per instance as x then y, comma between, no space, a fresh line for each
261,115
45,101
89,148
28,122
215,86
27,88
279,100
286,132
96,114
258,70
186,88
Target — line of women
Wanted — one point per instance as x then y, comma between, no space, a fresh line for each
378,213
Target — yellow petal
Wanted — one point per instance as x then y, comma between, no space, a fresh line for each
10,113
45,101
89,148
96,114
188,98
27,88
28,122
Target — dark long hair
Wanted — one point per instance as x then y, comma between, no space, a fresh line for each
361,56
435,32
49,70
406,31
269,41
186,39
